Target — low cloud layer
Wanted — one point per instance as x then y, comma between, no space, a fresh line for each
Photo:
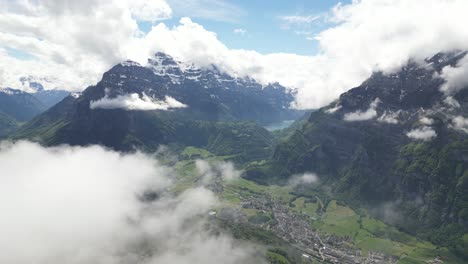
84,205
424,133
460,123
136,102
303,179
210,171
370,113
456,78
364,36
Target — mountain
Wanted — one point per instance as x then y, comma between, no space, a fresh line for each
7,125
212,94
51,97
396,145
48,97
19,105
15,107
167,102
22,106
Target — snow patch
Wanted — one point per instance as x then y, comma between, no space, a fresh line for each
129,63
10,91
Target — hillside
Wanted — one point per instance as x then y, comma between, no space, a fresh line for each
19,105
396,145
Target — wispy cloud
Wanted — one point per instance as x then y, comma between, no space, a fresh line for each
218,170
300,19
218,10
303,179
240,31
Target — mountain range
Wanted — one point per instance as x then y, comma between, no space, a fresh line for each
395,146
17,106
168,102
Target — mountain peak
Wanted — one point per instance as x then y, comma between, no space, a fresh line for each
442,59
10,91
161,58
130,63
414,86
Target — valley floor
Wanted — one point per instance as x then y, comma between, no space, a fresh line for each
300,227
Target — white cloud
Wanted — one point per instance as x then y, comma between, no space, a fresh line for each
424,133
81,205
303,179
460,123
210,171
389,117
456,78
150,10
362,116
369,35
136,102
426,120
239,31
72,41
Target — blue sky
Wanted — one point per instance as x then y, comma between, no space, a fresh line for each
265,32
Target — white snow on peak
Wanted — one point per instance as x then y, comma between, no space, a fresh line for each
129,63
10,91
164,65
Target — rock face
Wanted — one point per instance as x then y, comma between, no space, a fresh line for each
167,102
397,144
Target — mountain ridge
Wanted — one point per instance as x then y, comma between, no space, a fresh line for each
397,144
123,111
